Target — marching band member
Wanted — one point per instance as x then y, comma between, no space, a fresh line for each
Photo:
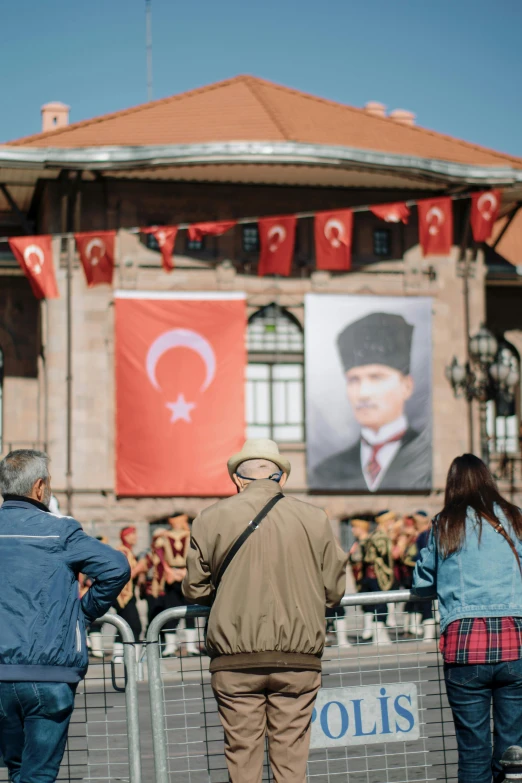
125,605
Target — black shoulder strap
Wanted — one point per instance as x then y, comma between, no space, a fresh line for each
253,525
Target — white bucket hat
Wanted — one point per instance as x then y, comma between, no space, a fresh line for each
259,448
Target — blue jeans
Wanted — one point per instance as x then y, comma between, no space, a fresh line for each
471,689
34,718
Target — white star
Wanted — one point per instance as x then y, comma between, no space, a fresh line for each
180,409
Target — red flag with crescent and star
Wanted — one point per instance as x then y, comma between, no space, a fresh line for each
165,236
96,251
396,212
484,212
197,231
35,256
180,386
333,240
276,237
435,226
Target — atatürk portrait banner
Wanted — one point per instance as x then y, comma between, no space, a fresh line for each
368,393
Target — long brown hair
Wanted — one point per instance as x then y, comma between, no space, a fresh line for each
470,485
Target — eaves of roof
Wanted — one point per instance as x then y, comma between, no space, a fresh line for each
113,158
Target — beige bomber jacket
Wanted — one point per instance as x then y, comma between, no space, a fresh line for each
270,607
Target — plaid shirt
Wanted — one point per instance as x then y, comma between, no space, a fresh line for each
482,640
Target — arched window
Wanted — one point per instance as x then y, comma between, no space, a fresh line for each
503,412
274,391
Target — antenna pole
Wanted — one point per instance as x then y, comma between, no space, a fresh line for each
148,22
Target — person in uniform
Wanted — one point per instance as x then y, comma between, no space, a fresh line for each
389,454
425,608
405,555
377,575
125,604
93,632
172,545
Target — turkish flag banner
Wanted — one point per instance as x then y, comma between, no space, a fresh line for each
397,212
276,237
484,212
180,392
333,240
197,231
96,251
35,256
435,226
165,236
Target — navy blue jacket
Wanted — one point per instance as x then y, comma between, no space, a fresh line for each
42,620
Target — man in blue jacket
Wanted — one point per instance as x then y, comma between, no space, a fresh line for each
43,654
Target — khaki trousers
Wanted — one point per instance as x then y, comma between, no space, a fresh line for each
277,702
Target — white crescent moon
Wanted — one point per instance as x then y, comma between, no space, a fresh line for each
331,224
280,233
34,250
435,212
96,242
181,338
483,200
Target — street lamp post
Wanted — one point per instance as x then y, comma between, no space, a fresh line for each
482,378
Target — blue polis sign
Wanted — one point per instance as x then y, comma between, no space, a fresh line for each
365,715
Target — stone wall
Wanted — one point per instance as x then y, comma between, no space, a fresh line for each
35,408
93,416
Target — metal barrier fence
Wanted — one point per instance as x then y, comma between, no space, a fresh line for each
382,716
104,734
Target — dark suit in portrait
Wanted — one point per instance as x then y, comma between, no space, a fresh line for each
389,454
409,469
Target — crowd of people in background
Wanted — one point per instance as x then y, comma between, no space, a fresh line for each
156,577
385,549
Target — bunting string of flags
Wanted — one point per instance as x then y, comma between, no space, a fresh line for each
333,231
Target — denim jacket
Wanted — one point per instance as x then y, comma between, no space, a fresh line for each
482,579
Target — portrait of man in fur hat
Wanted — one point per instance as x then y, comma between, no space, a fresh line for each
390,453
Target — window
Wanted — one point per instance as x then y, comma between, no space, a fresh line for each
195,245
502,412
275,401
250,238
382,242
274,385
274,329
151,242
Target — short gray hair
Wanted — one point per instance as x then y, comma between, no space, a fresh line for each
20,471
257,468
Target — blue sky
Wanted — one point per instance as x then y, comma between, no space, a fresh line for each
456,63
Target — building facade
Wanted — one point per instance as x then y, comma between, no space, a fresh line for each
59,182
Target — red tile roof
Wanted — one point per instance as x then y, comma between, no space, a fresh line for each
250,109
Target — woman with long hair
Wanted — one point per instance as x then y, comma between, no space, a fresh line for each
473,565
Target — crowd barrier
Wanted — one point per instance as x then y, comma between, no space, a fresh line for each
381,715
104,733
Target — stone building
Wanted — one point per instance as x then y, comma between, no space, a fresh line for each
240,148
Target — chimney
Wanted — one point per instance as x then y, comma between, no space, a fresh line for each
54,115
375,108
402,116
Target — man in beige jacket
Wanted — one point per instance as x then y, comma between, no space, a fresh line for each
266,630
